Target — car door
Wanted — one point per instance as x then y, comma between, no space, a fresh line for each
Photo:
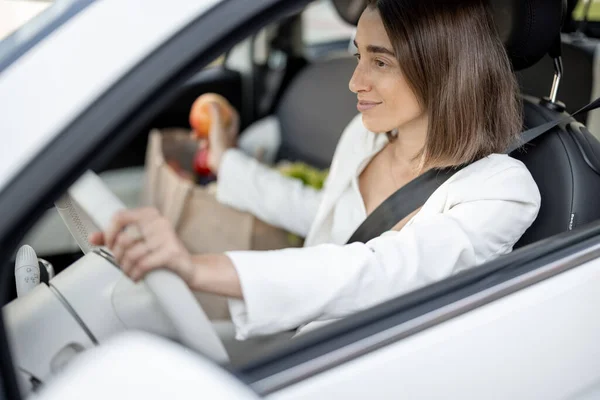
117,56
358,351
523,326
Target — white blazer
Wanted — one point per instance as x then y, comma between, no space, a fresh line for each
475,216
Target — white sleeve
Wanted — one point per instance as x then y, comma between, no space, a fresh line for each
286,288
247,185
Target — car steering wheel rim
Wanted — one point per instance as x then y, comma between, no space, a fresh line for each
82,215
186,314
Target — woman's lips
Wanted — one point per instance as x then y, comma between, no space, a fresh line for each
363,106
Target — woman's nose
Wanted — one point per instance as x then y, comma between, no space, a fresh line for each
359,81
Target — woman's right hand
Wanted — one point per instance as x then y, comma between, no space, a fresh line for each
149,244
221,138
142,240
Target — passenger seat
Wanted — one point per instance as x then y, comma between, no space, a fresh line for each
310,117
314,111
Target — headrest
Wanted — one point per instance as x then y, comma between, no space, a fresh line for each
528,28
350,10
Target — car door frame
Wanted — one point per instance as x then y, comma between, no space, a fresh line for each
111,122
406,316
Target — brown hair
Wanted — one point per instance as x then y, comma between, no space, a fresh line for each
457,66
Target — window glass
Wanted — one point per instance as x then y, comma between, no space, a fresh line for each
594,10
322,24
217,62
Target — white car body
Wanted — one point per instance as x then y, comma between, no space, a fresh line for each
534,336
13,14
63,63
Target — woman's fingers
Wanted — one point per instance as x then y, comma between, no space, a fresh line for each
215,117
124,218
234,127
154,243
96,238
123,243
125,230
221,135
118,223
152,260
157,232
133,256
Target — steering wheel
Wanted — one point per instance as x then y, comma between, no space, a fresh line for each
88,206
186,314
183,310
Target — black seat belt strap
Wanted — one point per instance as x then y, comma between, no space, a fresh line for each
400,204
533,133
416,192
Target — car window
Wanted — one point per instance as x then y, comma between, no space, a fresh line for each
594,10
217,62
321,24
18,17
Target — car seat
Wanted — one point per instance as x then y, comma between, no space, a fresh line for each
565,162
314,111
581,81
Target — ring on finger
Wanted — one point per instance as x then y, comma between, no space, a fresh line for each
134,232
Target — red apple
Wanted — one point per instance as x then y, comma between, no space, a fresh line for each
201,162
201,118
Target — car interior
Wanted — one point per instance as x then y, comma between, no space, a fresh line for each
291,82
579,84
294,93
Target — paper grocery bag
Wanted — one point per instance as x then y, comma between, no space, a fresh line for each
203,224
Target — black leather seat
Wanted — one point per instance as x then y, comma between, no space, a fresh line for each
564,162
315,109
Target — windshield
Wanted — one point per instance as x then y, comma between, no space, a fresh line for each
23,23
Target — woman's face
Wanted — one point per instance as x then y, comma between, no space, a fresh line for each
385,98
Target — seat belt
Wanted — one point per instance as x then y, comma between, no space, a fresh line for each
414,194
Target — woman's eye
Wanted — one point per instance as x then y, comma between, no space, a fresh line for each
380,64
357,56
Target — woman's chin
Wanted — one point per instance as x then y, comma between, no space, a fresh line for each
372,125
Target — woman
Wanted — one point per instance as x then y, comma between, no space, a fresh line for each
433,80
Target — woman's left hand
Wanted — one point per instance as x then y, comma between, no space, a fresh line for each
142,240
221,137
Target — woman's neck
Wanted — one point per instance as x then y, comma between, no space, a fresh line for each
409,142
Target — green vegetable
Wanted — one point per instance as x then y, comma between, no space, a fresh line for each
309,175
594,13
